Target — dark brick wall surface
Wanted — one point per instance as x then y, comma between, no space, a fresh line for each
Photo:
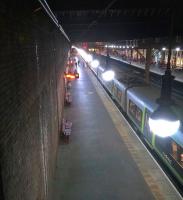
32,58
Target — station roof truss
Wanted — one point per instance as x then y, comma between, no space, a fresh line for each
113,20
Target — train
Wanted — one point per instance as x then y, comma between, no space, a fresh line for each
137,101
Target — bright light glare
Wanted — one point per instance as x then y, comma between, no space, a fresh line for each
178,49
164,128
163,48
82,52
101,69
108,75
88,58
95,63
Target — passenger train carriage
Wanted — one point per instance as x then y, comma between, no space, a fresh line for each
138,102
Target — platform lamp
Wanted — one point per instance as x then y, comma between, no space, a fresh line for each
164,121
108,73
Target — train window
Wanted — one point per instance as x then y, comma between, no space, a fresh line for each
135,111
119,94
163,144
146,120
177,153
147,114
147,132
138,114
110,85
181,127
112,88
115,90
132,108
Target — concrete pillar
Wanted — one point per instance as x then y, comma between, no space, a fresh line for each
137,55
131,53
180,58
163,56
147,65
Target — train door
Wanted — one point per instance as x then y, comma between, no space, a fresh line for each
147,133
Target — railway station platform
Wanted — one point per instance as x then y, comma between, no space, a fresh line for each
178,74
104,159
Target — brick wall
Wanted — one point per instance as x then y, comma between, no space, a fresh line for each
32,57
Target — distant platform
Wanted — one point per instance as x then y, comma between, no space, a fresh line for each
154,68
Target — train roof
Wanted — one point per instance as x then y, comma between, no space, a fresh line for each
151,93
146,94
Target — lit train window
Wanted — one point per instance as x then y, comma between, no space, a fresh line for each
177,153
135,111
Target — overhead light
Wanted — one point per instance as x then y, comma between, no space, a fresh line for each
178,49
88,58
108,75
164,48
95,63
164,122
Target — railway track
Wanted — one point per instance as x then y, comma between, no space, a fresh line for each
177,87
